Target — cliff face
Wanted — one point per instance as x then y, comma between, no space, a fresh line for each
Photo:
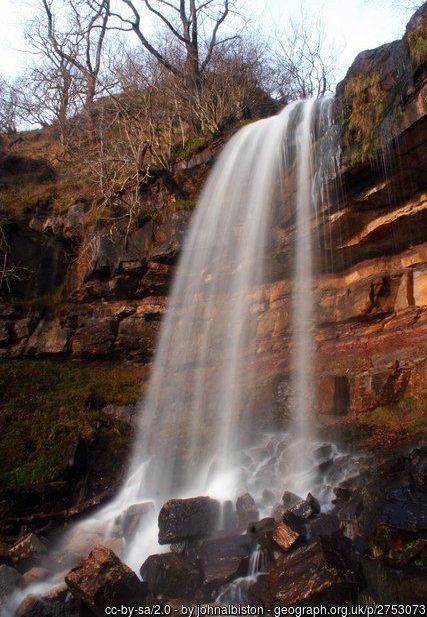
98,290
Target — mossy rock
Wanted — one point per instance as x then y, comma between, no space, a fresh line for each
46,406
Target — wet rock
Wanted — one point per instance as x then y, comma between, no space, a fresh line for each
404,509
290,500
262,532
388,585
56,603
259,593
134,515
186,518
324,451
10,580
344,490
171,576
324,525
318,573
33,606
34,574
27,550
247,511
102,580
307,508
287,533
225,558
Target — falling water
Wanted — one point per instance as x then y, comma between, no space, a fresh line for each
199,413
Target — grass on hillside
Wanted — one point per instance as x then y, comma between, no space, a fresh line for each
45,406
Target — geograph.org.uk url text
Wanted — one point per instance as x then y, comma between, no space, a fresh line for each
202,610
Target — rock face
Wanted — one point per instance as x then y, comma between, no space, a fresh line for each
317,573
247,511
103,580
224,559
171,576
180,519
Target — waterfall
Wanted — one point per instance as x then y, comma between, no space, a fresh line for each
200,411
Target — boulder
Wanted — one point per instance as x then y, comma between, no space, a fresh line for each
170,575
262,533
404,509
290,500
180,519
324,525
27,550
134,515
102,580
389,585
33,606
246,510
288,532
317,573
258,593
10,580
57,603
307,508
224,558
34,574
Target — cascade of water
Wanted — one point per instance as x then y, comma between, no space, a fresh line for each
199,410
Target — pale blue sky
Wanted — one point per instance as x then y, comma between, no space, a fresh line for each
351,25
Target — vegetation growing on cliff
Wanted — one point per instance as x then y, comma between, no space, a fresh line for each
47,406
364,106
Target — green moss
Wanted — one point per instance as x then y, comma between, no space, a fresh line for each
191,146
417,43
365,104
184,204
407,414
45,406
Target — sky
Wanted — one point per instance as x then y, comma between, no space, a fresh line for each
351,26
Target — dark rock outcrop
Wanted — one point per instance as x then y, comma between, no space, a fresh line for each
180,519
224,559
246,510
317,573
171,576
103,580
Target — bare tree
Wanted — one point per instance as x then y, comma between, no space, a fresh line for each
7,108
400,5
233,85
50,90
80,40
302,63
194,26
